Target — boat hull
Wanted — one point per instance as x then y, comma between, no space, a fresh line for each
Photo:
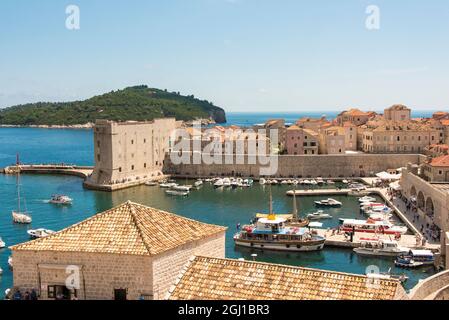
377,253
296,247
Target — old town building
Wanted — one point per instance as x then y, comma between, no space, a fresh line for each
397,112
128,252
301,141
354,116
437,169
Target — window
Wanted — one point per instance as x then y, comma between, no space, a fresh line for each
98,143
144,165
120,169
132,167
132,141
98,157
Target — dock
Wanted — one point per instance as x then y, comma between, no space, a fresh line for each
319,192
72,170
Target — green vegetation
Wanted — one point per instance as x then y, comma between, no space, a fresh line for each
134,103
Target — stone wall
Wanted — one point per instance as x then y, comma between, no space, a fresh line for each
100,274
168,266
333,166
431,288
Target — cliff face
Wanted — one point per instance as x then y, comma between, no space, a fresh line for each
137,103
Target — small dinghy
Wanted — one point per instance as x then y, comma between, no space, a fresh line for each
39,233
320,214
198,183
60,199
168,185
367,199
151,183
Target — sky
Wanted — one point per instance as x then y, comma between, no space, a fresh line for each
243,55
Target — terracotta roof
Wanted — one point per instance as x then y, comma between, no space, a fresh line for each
226,279
442,161
130,228
445,122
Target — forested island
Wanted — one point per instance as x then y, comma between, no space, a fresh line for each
137,103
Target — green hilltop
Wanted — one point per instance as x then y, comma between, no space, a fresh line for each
133,103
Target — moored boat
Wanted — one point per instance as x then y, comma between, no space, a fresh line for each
20,217
367,199
328,203
167,185
372,226
320,214
415,258
2,243
181,188
177,193
218,183
151,183
380,248
10,262
39,233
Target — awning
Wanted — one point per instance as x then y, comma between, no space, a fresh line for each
315,224
395,186
387,176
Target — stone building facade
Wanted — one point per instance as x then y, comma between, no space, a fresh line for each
128,252
436,170
301,141
129,153
397,112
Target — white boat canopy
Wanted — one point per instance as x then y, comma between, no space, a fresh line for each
315,224
388,176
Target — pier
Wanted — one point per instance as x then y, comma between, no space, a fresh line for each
72,170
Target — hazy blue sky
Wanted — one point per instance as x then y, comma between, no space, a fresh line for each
244,55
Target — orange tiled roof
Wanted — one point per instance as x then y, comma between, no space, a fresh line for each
227,279
130,228
442,161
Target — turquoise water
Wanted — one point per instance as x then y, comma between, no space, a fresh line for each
223,207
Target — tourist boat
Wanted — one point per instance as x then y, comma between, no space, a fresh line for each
380,248
177,193
371,226
2,243
19,216
329,203
168,185
151,183
320,214
273,234
218,183
60,199
262,181
39,233
415,258
367,199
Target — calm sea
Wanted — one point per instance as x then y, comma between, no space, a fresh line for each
226,207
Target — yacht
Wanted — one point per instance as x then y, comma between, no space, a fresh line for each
60,199
329,203
320,214
380,248
20,217
39,233
168,185
181,188
2,243
371,226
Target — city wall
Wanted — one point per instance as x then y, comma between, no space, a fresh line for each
302,166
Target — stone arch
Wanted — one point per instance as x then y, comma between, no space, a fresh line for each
430,209
421,201
413,192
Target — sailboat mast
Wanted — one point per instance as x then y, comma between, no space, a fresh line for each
271,202
18,182
295,208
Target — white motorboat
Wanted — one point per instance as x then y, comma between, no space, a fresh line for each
262,181
177,193
313,182
151,183
330,182
284,182
380,248
198,183
345,181
380,216
320,214
2,244
168,185
320,181
295,182
39,233
20,217
367,199
226,182
60,199
415,258
218,183
181,188
372,226
328,203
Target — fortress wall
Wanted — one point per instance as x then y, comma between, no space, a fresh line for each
332,166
